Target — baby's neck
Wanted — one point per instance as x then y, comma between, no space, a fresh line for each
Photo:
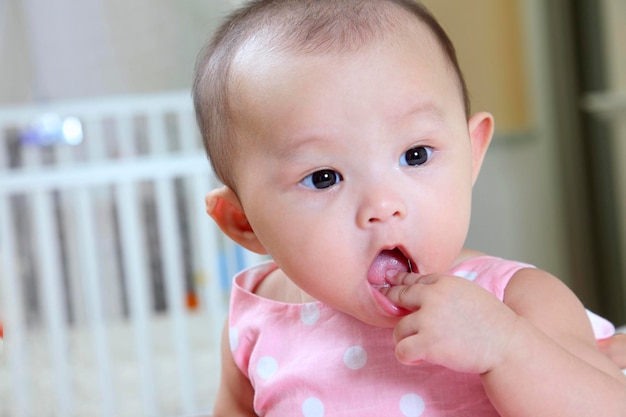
278,287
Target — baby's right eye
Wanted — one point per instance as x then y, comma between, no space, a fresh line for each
322,179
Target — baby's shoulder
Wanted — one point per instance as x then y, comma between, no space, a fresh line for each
490,272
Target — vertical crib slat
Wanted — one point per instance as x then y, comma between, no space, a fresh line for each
99,292
12,314
170,249
136,287
134,264
11,301
90,273
101,198
48,268
64,158
173,267
194,197
50,274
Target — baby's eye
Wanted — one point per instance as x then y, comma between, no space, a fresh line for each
416,156
322,179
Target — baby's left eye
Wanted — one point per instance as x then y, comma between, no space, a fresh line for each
416,156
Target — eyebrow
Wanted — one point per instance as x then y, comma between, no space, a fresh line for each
425,107
291,150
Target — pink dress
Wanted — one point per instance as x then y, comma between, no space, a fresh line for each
313,361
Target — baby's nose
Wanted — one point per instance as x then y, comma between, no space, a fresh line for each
380,206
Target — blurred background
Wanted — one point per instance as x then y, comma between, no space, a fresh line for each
113,283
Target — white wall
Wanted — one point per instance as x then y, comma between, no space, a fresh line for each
63,49
517,204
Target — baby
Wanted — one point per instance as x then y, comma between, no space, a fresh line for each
342,132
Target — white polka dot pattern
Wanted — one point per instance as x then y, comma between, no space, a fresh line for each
355,357
266,367
312,407
468,275
412,405
309,314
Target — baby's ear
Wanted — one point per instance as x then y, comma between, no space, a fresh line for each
223,205
481,126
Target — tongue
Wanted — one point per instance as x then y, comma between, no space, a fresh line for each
387,260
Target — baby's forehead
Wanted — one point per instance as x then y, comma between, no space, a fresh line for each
282,42
267,53
300,85
343,36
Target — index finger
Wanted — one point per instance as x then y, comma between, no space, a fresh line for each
403,296
405,287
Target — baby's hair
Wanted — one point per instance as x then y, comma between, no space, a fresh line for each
300,26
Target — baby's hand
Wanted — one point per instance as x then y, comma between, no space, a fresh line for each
453,323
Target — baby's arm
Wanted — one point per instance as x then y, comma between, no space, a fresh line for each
553,356
235,394
535,352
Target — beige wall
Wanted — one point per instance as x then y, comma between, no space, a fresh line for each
488,36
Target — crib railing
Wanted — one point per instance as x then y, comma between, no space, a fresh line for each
101,222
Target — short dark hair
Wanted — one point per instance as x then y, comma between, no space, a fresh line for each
299,26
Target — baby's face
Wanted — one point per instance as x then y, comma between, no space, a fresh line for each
344,157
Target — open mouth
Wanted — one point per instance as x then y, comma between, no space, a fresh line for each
387,260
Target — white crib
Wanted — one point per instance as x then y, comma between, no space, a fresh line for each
113,280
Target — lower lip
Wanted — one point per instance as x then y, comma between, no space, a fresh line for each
387,305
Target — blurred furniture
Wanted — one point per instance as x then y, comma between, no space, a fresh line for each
113,280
